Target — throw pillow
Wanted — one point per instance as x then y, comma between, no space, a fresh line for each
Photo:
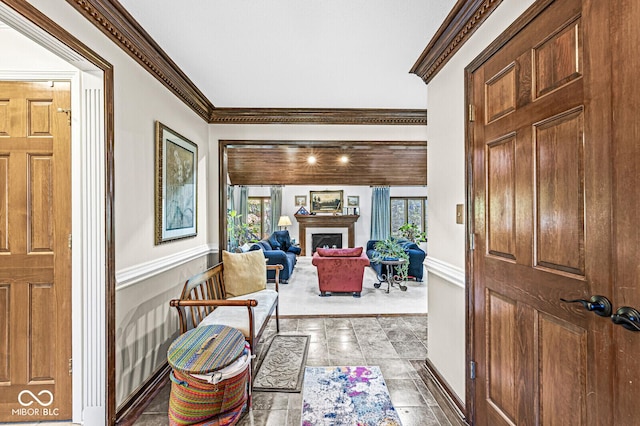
343,252
244,273
273,241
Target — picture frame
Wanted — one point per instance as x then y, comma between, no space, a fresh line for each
300,200
176,180
353,200
302,210
325,201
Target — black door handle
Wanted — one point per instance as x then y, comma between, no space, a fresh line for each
599,305
627,317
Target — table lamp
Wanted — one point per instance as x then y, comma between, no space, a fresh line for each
283,222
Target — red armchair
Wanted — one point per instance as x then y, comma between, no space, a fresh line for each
340,270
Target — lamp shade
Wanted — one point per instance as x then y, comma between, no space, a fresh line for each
284,221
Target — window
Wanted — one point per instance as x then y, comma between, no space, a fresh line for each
259,217
408,210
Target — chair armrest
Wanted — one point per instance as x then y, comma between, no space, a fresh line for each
276,268
213,302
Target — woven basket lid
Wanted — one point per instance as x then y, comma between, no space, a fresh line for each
206,349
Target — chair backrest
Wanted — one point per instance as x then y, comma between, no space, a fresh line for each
208,285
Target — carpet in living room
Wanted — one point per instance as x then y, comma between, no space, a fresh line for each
301,296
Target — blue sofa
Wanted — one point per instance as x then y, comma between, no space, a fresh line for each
279,251
416,258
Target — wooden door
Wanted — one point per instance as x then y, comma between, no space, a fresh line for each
541,188
625,64
35,254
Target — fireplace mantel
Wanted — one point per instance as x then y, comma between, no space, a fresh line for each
325,221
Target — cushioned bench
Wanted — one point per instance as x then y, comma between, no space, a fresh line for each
206,300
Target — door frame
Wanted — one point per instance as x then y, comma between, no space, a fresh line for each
27,19
469,117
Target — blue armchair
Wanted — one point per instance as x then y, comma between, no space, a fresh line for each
416,258
279,251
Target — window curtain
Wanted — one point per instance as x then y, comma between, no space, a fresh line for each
276,206
231,198
380,212
243,211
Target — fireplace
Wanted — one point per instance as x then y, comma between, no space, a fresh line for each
329,240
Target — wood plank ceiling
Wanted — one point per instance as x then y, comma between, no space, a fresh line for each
371,163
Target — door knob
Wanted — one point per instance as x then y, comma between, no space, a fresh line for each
627,317
599,305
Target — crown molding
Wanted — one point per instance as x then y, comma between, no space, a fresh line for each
319,116
114,20
117,24
463,20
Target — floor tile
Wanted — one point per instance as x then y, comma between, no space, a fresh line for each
341,335
340,342
344,349
270,401
417,416
404,393
410,350
264,418
378,349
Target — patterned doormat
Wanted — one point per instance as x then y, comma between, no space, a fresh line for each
341,396
282,368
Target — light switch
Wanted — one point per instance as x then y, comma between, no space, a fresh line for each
459,213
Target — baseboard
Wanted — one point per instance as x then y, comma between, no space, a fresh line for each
352,315
133,407
448,401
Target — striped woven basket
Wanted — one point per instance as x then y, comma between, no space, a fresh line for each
198,402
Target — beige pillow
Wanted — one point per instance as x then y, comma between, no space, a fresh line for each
244,273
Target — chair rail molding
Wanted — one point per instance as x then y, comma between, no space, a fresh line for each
446,271
137,273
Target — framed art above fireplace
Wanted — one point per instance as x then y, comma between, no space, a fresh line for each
326,201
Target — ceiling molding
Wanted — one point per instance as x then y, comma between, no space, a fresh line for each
319,116
117,24
113,20
463,20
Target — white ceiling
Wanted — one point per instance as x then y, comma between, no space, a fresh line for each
297,53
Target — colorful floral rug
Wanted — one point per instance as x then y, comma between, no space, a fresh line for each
341,396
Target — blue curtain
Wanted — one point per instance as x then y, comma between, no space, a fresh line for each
243,211
380,212
276,206
231,198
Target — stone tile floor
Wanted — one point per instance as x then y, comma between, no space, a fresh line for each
390,342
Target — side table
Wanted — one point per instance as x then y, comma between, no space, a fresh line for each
389,277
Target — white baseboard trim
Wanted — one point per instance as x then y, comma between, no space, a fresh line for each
134,274
446,271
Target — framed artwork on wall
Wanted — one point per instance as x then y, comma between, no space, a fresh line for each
301,200
176,178
325,201
353,200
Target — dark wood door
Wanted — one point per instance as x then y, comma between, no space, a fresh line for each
35,254
625,228
541,191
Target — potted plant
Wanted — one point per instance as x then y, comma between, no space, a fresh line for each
390,249
238,232
411,232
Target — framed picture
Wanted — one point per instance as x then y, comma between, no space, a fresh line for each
176,185
301,200
325,201
353,200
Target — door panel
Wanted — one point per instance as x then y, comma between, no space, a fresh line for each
537,358
35,257
559,175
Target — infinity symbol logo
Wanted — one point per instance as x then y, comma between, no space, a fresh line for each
35,398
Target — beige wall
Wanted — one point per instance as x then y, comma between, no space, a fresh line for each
446,258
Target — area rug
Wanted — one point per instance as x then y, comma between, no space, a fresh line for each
341,396
282,367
